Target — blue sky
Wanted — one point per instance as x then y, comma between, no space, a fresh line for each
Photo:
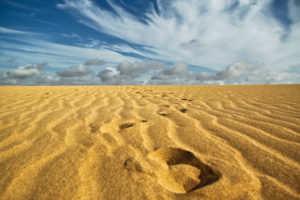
149,42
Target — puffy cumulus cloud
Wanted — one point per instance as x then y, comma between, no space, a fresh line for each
129,73
110,76
233,72
273,78
22,75
249,73
27,71
129,69
74,71
156,73
176,74
94,62
46,80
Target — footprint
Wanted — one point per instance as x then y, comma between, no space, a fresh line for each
163,114
94,127
184,99
180,171
126,125
183,110
132,165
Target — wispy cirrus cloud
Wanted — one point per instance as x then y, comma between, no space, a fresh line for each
12,31
204,33
34,48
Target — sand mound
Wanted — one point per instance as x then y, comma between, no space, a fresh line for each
150,142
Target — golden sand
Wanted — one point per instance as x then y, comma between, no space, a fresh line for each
150,142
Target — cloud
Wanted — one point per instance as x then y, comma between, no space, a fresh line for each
110,76
74,71
151,73
12,31
47,80
275,78
203,33
33,49
155,73
233,72
128,73
24,72
94,62
249,73
176,74
294,68
22,75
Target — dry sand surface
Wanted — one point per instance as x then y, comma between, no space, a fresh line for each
150,142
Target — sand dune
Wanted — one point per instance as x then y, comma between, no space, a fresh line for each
150,142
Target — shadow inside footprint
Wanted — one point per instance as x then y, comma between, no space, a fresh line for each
181,171
183,110
94,127
163,114
126,125
132,166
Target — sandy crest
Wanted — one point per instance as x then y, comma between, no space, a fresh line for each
150,142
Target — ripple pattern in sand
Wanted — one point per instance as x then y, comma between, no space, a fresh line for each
150,142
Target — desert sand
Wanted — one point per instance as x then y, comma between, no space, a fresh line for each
150,142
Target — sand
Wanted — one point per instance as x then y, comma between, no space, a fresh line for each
150,142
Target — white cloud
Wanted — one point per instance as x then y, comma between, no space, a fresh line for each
12,31
74,71
176,74
35,50
128,73
206,33
233,72
46,80
242,72
109,76
26,71
22,74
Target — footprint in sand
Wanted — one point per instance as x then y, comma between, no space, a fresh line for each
184,99
94,127
126,125
131,165
180,171
183,110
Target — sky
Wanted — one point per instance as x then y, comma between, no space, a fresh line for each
138,42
